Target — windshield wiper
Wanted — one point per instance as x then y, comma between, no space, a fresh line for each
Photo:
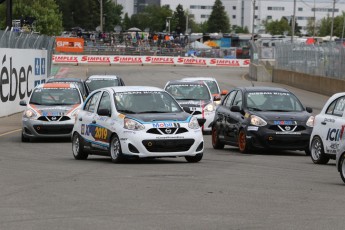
35,103
125,111
153,111
278,110
254,108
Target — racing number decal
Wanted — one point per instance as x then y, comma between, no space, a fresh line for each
101,134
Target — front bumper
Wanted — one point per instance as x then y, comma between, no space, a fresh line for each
44,129
264,138
143,145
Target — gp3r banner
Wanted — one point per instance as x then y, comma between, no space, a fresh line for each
71,45
20,71
149,60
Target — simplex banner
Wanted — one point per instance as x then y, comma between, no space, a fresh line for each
145,60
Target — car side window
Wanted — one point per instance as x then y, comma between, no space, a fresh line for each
105,102
238,99
90,105
229,99
337,107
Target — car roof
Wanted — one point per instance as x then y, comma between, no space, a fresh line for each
67,79
176,82
120,89
103,77
199,78
58,85
262,89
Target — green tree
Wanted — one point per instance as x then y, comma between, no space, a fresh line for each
179,18
48,19
218,20
126,24
237,29
277,27
325,26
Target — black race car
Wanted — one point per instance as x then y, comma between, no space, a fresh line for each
255,118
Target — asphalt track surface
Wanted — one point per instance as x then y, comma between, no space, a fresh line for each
43,187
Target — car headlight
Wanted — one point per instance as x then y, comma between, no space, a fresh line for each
133,125
210,107
193,123
29,113
310,121
258,121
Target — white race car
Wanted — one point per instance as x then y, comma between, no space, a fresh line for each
135,121
328,131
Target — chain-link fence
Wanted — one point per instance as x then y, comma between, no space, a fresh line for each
17,40
327,59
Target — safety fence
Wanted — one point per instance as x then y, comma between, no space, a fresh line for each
18,40
326,59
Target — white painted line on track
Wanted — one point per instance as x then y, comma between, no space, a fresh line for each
13,131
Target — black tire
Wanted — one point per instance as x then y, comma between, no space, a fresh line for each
242,141
215,140
194,159
78,147
115,151
342,167
25,139
317,154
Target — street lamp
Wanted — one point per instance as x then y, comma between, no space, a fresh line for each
101,15
253,20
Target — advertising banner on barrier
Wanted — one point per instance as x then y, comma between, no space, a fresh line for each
68,44
21,70
147,60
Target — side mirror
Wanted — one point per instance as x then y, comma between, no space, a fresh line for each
216,98
201,121
235,108
224,92
186,109
309,109
104,112
22,103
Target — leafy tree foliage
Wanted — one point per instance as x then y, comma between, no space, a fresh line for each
277,27
238,29
179,18
218,20
45,12
325,26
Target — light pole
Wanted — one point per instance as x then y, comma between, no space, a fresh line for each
168,18
101,15
332,19
253,20
293,21
342,33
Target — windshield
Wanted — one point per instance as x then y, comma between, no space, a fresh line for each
212,85
78,83
94,84
189,92
57,96
273,101
146,102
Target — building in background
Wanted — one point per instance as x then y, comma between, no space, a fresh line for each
241,12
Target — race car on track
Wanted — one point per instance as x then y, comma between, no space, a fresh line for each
255,118
212,85
101,81
196,96
327,136
78,81
51,111
135,122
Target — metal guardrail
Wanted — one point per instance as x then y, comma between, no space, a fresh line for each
18,40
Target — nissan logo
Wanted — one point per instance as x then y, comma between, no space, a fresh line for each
287,128
168,131
53,118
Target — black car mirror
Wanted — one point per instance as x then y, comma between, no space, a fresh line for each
22,103
235,108
104,112
216,98
309,109
186,109
201,121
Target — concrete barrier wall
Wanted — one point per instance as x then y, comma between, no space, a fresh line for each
317,84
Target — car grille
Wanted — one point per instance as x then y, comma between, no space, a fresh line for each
287,128
53,129
167,131
54,118
169,145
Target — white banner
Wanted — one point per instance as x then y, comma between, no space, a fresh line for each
20,71
144,60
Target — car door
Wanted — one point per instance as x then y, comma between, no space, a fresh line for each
234,119
102,132
87,118
222,115
332,125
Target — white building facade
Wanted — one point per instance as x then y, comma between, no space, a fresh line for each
240,12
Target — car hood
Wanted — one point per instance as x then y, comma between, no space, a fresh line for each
58,110
283,116
193,103
146,117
